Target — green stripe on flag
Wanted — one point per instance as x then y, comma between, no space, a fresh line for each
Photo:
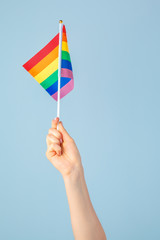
66,56
50,80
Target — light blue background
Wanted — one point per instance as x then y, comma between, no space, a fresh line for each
112,113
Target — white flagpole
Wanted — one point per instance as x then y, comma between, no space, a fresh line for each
59,66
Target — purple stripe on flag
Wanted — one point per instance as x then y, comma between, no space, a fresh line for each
64,90
66,73
68,87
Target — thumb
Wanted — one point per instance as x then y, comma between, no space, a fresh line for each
66,136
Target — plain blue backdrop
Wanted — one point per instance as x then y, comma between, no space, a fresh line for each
112,113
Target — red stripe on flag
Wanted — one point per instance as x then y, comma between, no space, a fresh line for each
42,53
64,29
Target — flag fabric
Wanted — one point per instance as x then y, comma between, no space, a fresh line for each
44,67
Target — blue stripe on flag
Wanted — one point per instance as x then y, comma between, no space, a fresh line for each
54,88
66,64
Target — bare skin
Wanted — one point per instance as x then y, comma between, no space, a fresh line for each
63,153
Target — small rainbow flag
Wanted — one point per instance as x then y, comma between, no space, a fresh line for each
46,67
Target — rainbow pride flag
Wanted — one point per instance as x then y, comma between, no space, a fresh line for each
44,67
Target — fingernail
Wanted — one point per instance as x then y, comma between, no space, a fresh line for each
60,140
56,118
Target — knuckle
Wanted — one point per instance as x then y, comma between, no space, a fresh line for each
49,130
51,147
53,132
50,135
58,142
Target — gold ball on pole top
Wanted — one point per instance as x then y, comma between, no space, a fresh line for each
60,21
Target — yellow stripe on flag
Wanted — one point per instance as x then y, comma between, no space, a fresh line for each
51,68
65,46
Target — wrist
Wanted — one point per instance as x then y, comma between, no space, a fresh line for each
75,175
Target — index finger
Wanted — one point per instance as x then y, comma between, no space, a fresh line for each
55,122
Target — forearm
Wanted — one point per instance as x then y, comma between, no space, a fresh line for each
85,223
63,153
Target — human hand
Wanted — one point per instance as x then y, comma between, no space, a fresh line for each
62,151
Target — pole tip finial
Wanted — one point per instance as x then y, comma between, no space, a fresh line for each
60,21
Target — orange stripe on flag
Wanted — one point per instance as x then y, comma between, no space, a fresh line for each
44,62
64,37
